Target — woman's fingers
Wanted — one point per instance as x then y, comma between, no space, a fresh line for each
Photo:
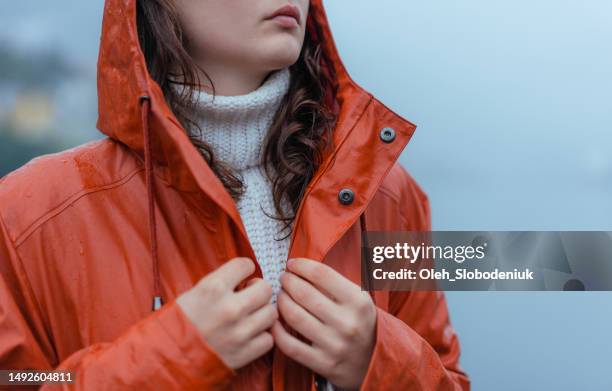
304,322
311,299
228,276
256,347
252,297
309,356
332,283
258,322
253,281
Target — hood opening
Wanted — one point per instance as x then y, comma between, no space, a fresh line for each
132,111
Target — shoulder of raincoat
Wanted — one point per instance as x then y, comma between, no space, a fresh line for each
89,236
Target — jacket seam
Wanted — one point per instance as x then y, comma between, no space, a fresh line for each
398,203
158,170
55,211
389,194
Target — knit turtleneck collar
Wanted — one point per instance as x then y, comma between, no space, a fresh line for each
236,126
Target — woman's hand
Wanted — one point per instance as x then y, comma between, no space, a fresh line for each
331,312
234,324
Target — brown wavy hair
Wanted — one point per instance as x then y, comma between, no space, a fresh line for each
301,128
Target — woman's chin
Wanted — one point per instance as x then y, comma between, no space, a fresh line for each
280,59
282,46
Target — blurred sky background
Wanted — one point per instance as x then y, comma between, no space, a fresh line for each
513,102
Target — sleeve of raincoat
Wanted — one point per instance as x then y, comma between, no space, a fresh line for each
162,351
416,347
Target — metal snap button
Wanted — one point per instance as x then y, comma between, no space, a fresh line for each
387,135
346,196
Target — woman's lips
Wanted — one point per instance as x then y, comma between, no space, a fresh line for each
285,21
287,16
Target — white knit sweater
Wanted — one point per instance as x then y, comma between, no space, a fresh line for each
235,127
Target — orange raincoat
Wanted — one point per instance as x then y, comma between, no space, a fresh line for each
90,235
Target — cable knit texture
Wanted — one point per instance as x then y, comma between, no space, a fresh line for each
236,127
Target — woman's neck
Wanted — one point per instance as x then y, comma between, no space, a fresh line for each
231,80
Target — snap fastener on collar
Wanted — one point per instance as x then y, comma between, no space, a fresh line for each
346,196
387,135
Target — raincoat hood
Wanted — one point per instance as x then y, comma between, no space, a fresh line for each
123,77
133,111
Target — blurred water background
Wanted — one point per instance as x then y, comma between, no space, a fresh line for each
513,102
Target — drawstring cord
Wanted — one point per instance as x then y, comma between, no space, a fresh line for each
145,108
